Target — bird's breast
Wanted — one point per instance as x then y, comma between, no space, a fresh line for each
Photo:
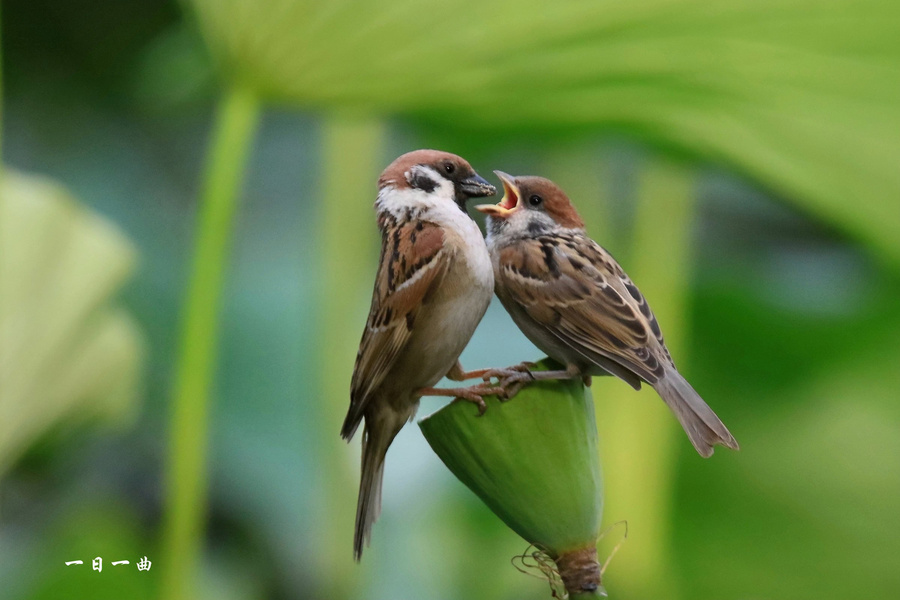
477,257
448,318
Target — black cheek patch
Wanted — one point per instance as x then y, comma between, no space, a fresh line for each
536,228
420,181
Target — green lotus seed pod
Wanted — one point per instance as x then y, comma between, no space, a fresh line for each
534,461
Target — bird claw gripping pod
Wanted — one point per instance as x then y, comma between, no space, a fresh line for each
534,461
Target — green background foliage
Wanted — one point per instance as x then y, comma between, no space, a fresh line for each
739,158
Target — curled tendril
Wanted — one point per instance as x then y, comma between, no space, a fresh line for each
535,562
616,547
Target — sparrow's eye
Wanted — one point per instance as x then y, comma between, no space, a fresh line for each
535,200
449,168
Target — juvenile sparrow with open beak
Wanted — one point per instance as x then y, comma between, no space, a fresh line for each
433,286
574,302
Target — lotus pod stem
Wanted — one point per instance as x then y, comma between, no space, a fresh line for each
580,572
533,461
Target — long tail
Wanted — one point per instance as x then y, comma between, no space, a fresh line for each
377,436
701,424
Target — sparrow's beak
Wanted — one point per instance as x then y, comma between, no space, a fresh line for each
476,186
510,198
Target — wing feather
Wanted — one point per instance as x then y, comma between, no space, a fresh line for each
413,262
577,292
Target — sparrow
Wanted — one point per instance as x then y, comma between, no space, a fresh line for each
433,285
575,303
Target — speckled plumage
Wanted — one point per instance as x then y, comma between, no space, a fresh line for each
433,286
573,301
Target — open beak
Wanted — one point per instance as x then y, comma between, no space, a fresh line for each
476,186
510,200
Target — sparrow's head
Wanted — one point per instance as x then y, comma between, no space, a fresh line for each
531,204
436,173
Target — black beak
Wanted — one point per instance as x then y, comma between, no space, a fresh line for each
475,186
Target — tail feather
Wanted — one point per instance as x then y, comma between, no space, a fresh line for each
701,424
351,421
377,436
368,505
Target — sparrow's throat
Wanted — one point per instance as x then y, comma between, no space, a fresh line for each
510,197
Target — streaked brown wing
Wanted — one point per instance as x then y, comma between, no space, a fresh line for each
574,289
413,262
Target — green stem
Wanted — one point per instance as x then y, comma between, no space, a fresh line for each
640,438
235,125
348,256
1,100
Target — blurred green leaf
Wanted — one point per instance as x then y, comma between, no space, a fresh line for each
808,509
84,532
172,72
803,96
66,352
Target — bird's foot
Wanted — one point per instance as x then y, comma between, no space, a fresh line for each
514,371
512,379
475,394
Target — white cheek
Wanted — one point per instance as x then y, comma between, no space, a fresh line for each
399,201
516,224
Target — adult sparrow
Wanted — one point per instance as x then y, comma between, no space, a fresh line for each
433,286
574,302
